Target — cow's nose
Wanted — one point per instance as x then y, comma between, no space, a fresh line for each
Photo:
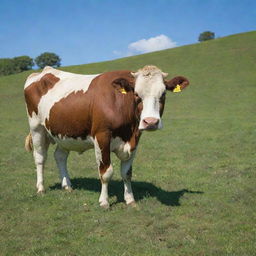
151,123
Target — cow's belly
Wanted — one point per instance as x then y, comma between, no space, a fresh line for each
77,145
118,146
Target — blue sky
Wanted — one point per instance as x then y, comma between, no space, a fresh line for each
85,31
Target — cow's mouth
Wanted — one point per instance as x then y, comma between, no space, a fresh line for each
151,128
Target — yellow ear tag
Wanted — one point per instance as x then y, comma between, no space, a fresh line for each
123,91
177,88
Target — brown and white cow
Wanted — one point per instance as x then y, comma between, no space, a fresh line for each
107,112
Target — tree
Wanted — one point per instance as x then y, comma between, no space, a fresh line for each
10,66
23,63
48,59
7,67
207,35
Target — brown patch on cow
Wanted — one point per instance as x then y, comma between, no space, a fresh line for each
70,116
103,140
35,91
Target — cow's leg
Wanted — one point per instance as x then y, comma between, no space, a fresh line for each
61,156
126,174
102,153
40,146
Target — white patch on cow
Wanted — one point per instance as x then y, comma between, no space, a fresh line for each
98,154
108,174
33,121
128,194
103,200
79,145
68,83
122,149
40,146
61,156
125,167
150,87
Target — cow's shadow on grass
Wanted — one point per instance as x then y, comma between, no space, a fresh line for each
140,190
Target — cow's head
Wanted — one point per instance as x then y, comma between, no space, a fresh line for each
149,92
150,88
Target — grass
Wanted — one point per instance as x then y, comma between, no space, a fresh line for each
194,181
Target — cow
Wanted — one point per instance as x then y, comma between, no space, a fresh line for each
107,112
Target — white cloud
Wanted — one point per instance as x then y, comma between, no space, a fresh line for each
152,44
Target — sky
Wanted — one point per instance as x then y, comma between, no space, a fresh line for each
87,31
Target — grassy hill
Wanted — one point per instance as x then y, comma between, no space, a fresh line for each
194,180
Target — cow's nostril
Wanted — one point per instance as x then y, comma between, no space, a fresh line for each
145,121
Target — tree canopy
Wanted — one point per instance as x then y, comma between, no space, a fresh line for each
8,67
48,59
23,63
207,35
14,65
18,64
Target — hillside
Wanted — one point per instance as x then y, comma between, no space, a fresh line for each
194,180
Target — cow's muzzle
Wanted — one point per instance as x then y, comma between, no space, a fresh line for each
150,123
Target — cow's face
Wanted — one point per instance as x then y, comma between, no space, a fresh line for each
150,88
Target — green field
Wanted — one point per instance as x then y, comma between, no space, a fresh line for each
194,181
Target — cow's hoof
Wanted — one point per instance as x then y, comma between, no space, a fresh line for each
132,204
104,205
40,191
68,188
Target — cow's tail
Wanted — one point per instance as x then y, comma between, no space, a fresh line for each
29,143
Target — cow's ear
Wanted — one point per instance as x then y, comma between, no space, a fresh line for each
124,85
177,84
